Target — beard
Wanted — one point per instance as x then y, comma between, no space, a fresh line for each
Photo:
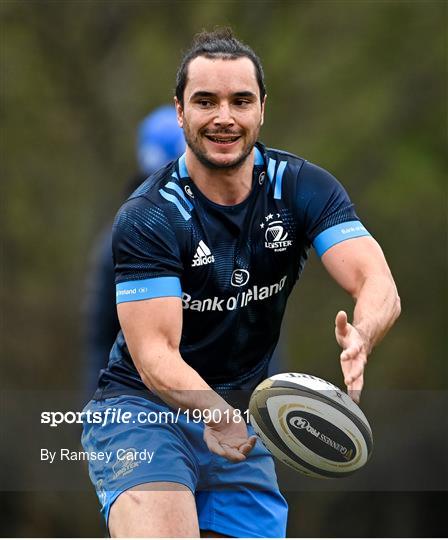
193,142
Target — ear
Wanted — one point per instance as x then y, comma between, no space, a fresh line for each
179,112
263,103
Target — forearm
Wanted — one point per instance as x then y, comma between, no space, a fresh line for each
165,372
377,308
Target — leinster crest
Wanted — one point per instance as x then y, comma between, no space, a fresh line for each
275,234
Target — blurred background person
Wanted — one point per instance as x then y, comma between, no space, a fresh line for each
159,141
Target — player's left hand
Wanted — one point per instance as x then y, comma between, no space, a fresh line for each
353,356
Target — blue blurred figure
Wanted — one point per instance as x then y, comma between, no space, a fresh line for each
159,141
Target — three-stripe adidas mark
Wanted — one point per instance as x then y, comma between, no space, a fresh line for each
203,255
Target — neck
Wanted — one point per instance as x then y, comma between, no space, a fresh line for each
222,186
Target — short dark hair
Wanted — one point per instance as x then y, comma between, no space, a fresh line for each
221,43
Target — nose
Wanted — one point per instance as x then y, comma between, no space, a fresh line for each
224,116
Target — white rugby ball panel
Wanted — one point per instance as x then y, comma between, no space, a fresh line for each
310,381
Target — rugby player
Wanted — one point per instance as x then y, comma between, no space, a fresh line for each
206,254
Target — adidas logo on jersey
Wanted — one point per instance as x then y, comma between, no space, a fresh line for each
203,255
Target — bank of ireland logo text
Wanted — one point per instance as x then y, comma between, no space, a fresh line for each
239,277
275,236
241,299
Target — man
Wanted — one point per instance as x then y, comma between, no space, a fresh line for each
159,141
206,253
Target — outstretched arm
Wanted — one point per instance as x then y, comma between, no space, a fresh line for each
359,266
152,329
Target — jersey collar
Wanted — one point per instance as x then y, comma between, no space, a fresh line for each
183,171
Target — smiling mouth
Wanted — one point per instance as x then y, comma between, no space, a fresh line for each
222,140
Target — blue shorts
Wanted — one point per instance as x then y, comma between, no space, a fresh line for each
235,499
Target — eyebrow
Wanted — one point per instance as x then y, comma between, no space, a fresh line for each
203,93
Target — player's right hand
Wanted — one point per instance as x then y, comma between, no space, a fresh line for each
229,439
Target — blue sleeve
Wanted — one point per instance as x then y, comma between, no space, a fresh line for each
328,215
146,253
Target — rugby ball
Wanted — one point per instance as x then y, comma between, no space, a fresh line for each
311,425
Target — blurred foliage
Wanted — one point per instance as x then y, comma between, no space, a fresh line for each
357,87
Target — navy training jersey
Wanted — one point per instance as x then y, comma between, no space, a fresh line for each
233,266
